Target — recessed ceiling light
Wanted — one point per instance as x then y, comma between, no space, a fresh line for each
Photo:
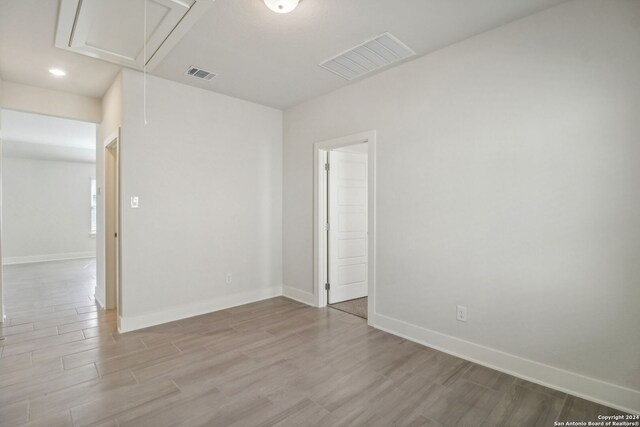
57,72
282,6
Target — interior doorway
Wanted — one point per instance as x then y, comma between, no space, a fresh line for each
345,227
112,222
47,184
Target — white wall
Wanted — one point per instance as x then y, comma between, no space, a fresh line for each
507,171
208,171
32,99
109,125
46,210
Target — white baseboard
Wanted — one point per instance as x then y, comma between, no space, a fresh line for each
298,295
47,257
132,323
100,303
612,395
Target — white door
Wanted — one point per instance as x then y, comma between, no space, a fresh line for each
347,213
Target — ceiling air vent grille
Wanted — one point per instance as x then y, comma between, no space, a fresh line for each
369,56
199,73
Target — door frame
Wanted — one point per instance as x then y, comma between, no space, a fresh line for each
113,141
2,313
320,150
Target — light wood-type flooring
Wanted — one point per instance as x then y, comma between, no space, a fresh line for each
270,363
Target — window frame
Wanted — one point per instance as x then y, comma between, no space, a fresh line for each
93,206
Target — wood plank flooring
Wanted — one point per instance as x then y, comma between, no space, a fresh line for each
271,363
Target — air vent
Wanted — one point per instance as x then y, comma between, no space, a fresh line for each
199,73
369,56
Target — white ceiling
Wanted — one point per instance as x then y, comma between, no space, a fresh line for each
36,128
258,55
27,32
42,137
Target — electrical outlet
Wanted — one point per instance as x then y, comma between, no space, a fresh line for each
461,313
228,278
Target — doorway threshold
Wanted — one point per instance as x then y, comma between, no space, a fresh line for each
357,307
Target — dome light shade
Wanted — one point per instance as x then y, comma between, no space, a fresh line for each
281,6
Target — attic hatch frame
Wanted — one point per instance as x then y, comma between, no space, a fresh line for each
74,26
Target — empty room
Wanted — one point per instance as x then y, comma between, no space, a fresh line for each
319,213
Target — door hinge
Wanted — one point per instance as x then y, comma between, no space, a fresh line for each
327,286
326,166
326,227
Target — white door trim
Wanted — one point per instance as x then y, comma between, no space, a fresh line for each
113,140
2,315
320,213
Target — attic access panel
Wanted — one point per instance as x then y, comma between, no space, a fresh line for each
112,30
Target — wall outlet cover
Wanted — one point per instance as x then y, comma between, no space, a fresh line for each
461,313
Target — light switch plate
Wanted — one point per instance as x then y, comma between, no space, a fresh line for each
134,202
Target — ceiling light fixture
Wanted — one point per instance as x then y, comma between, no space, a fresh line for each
57,72
282,6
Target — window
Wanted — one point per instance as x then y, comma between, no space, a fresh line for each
94,196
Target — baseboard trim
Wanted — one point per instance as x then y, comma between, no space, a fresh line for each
100,303
298,295
132,323
47,257
615,396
